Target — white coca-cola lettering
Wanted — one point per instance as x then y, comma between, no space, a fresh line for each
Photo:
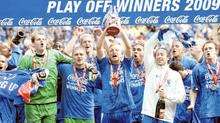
89,21
66,21
6,22
206,19
147,20
30,22
176,19
125,20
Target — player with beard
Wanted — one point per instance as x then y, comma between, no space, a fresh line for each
137,80
206,85
177,53
79,82
42,107
115,73
162,85
87,42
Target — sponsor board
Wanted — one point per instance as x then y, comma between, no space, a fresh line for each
92,12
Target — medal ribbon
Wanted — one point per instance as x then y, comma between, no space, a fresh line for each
162,81
115,76
214,75
79,79
40,62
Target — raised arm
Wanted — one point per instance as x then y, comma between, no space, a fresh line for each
128,47
149,46
100,45
60,57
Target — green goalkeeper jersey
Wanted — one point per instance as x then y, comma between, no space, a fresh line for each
47,94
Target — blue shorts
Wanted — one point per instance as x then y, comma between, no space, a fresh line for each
148,119
119,117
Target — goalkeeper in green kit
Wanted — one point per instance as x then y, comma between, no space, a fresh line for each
43,106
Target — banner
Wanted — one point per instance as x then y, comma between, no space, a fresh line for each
92,12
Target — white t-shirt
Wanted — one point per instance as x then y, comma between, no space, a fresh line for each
173,87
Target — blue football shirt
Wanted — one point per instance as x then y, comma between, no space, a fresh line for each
119,98
182,113
137,84
188,62
207,102
77,100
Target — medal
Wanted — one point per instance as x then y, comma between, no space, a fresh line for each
214,75
215,79
79,80
213,86
79,84
115,77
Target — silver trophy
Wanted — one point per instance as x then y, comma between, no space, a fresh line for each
112,21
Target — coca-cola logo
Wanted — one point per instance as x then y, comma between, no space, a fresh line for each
66,21
147,20
177,19
125,20
89,21
30,22
6,22
206,19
